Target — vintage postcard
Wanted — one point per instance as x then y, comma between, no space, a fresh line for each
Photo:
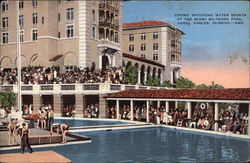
124,81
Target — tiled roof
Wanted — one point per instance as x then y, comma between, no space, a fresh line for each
142,59
144,24
206,94
55,58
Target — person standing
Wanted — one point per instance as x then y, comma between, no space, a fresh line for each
43,119
50,120
11,131
25,138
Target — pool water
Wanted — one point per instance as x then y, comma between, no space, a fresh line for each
77,123
155,145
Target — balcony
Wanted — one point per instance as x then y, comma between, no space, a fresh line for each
86,88
105,43
107,23
105,6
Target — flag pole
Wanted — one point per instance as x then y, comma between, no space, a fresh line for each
19,105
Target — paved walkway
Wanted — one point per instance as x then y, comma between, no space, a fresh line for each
44,156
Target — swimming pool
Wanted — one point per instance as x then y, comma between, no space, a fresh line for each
85,122
154,145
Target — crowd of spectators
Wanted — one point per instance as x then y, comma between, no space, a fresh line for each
52,75
230,119
91,111
69,111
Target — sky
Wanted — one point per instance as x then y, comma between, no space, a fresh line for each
210,52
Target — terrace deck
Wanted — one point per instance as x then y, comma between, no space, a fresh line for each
44,156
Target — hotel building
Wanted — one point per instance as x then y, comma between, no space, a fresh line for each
65,33
157,41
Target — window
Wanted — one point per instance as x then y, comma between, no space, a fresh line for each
70,14
131,37
59,1
143,55
20,4
93,15
59,16
70,31
143,47
43,20
131,48
21,35
69,68
34,18
34,3
5,36
143,36
93,32
59,34
69,0
155,46
5,6
34,34
155,35
5,22
155,57
21,20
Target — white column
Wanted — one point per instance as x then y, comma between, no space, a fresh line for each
189,109
216,116
139,77
248,120
113,60
147,111
145,77
158,104
117,109
167,111
176,104
161,78
100,61
132,110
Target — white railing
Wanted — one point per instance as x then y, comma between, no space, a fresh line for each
86,87
106,42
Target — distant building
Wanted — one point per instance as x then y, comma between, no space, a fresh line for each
157,41
65,33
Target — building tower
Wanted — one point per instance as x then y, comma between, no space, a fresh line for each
64,33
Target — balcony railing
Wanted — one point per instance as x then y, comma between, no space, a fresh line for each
107,43
109,24
27,88
91,87
6,88
130,87
46,87
74,88
142,87
115,87
68,87
105,6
